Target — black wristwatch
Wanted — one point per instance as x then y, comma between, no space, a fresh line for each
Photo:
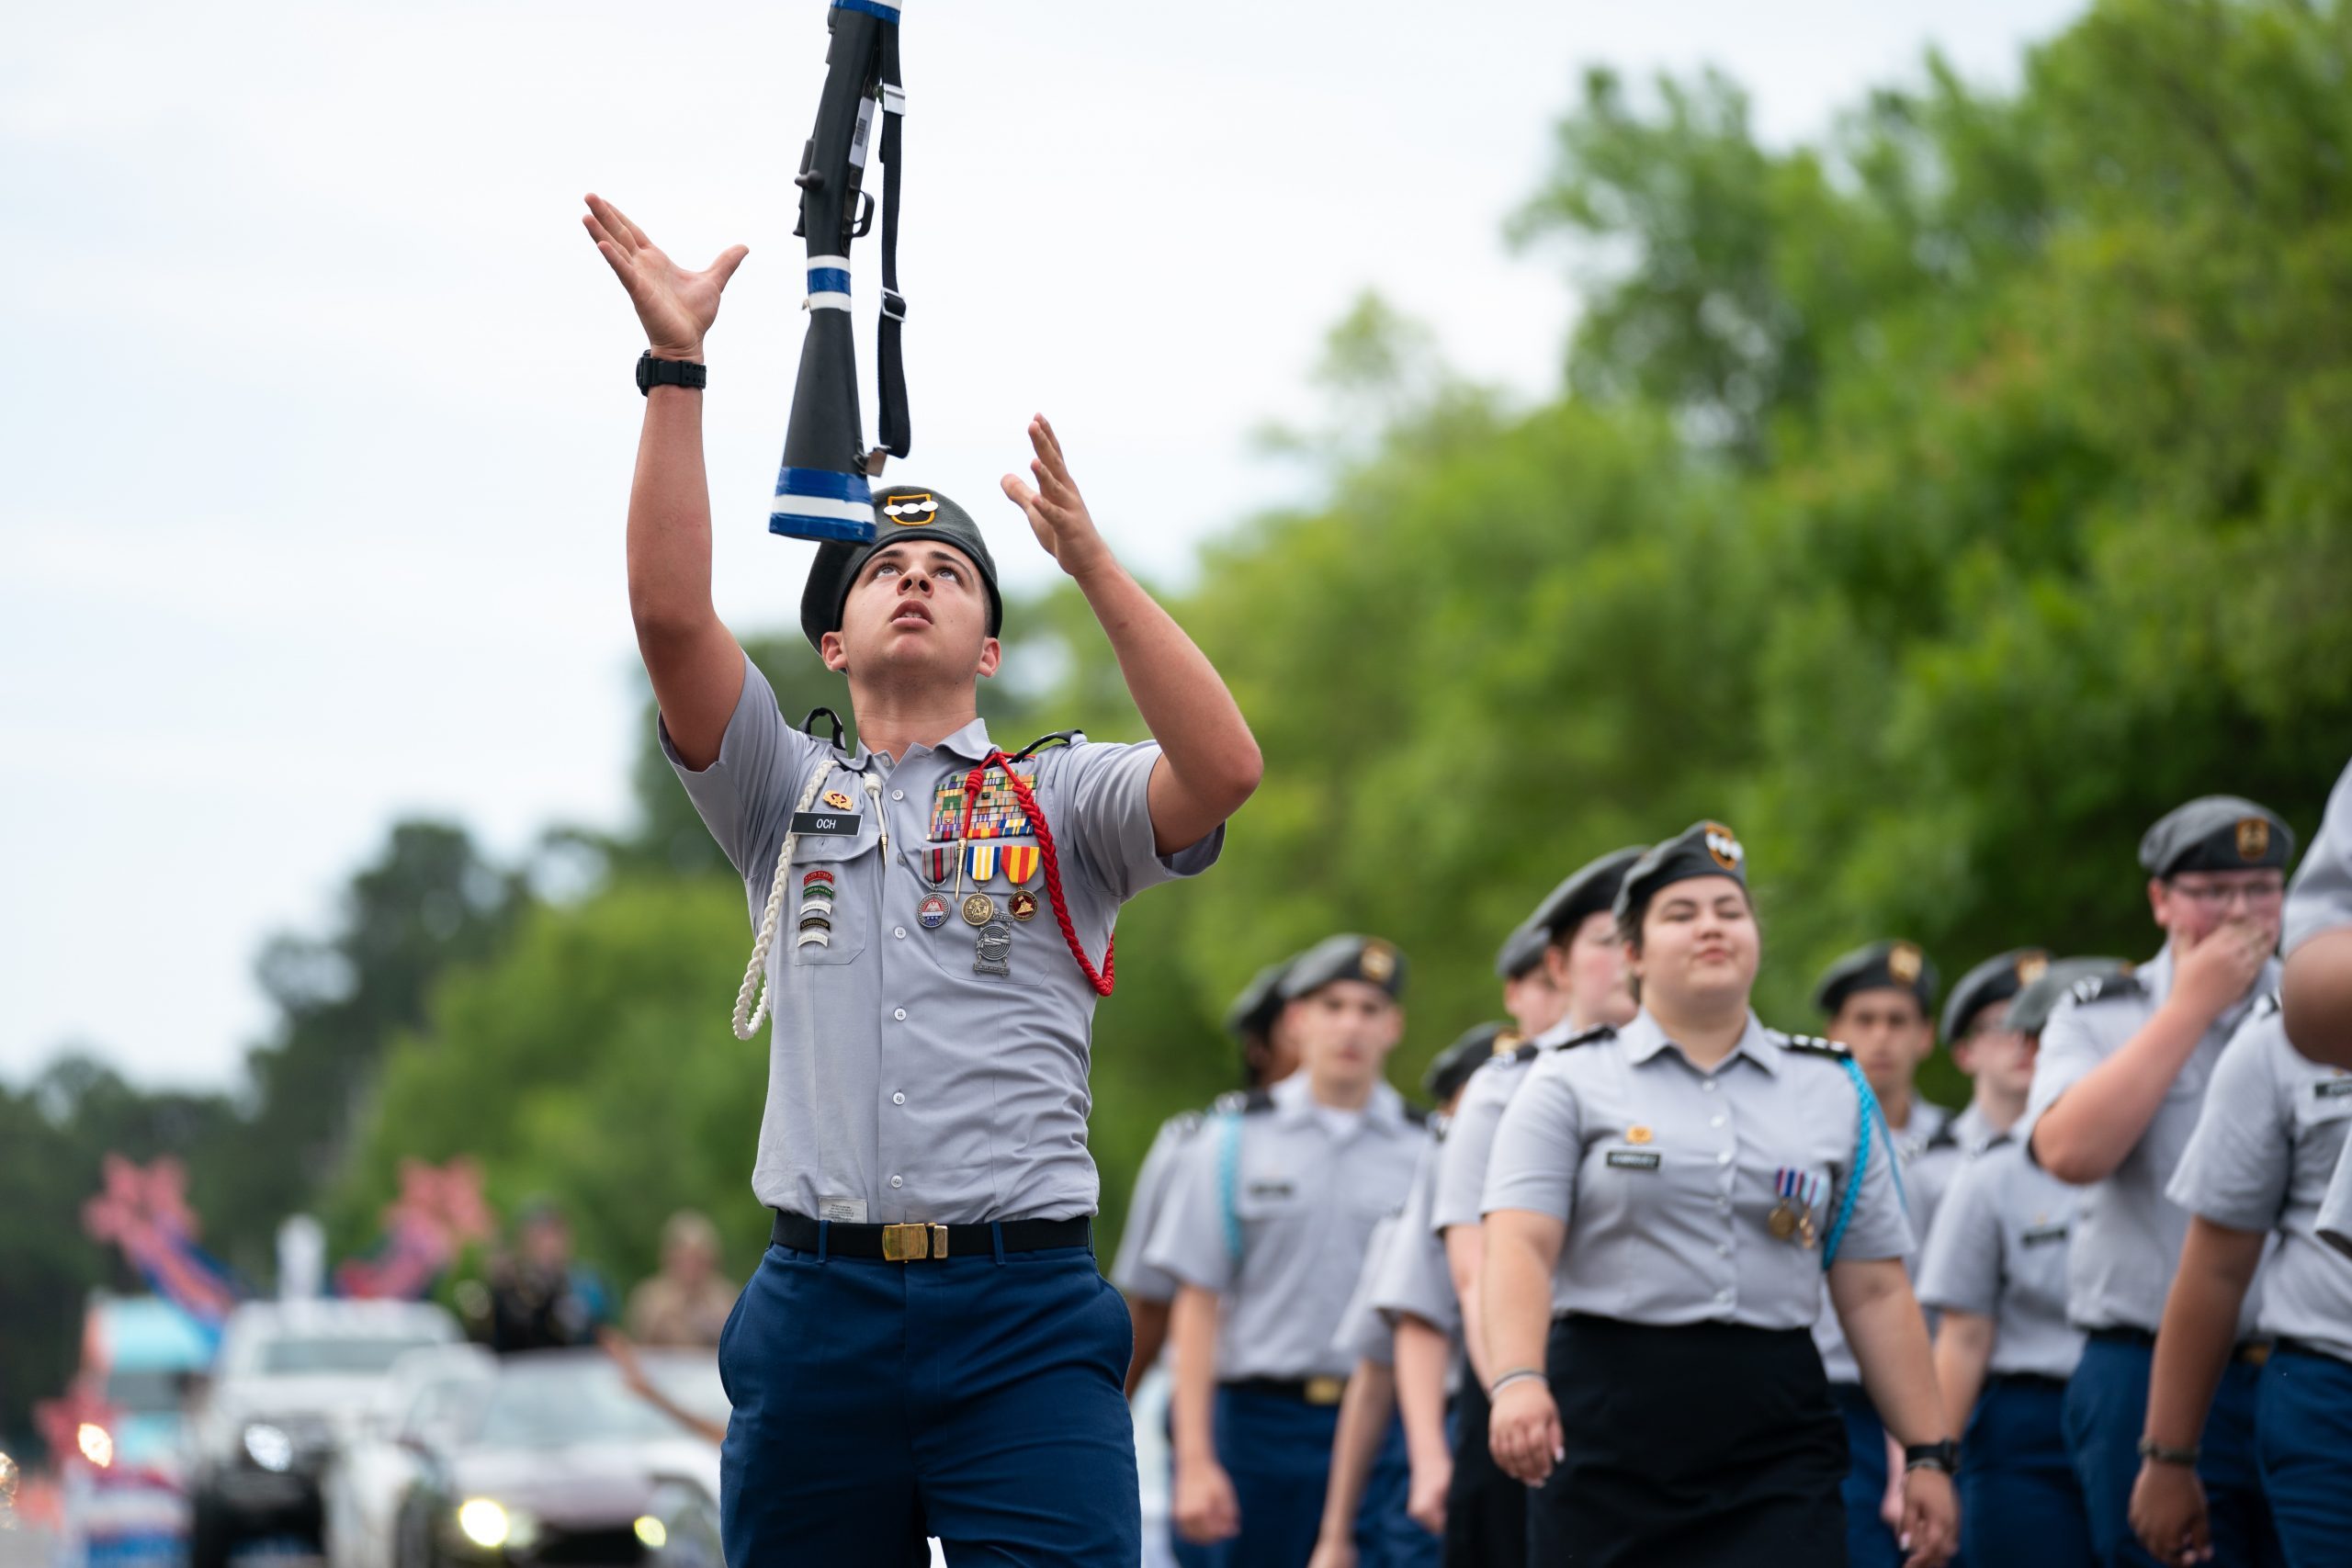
652,372
2164,1453
1943,1456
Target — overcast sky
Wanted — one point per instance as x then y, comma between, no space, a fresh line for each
319,426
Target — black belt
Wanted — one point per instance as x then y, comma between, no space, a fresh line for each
908,1244
2253,1352
1306,1391
2027,1379
2287,1345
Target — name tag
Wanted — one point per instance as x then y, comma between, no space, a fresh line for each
1633,1159
1271,1190
2333,1089
826,824
2040,1235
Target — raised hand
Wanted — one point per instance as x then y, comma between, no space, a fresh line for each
1056,513
677,306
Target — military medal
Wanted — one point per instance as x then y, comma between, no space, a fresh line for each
1792,1216
1020,863
938,860
1782,1222
981,859
932,913
1023,905
992,954
979,908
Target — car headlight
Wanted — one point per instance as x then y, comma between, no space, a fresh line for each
490,1525
96,1442
652,1532
269,1447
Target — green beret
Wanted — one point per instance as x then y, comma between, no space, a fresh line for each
2032,1006
2217,832
900,513
1522,951
1347,957
1703,849
1452,1066
1881,966
1590,889
1996,979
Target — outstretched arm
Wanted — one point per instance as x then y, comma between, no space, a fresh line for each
1209,762
694,662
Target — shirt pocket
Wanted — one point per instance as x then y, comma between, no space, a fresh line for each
974,953
828,915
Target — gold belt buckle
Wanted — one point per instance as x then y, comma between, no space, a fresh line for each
909,1244
1326,1390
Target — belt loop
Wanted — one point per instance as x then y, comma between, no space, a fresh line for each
996,1234
824,1235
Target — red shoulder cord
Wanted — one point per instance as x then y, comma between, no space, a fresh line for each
1100,982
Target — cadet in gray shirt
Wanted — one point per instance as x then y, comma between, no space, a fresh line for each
1266,1228
1268,1057
927,1092
2266,1145
2123,1074
2316,988
1668,1197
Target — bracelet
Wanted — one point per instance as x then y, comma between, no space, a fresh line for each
2165,1453
1517,1374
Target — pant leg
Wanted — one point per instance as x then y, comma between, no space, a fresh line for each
1385,1535
1869,1543
816,1469
2304,1436
2232,1470
1278,1452
2019,1503
1023,1445
1486,1510
2106,1406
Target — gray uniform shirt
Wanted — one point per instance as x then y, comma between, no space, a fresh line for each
2266,1147
1136,1277
1999,1251
903,1085
1665,1175
1307,1200
1470,1136
1412,1278
1362,1334
2321,895
1917,1148
2336,1209
2127,1236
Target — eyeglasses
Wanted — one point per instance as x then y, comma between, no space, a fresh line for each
2220,895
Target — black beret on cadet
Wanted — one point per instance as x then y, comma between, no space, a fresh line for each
1347,957
1252,1013
1881,966
2030,1010
1996,979
2217,832
902,513
1451,1067
1703,849
1590,889
1522,951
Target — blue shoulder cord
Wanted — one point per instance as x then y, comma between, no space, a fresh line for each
1867,1109
1229,1181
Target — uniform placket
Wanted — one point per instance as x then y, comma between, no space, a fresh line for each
1724,1141
897,1064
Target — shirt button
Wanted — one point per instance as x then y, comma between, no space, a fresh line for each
899,1013
1723,1250
902,931
899,1098
1722,1296
1724,1159
898,795
898,1182
1716,1122
1710,1085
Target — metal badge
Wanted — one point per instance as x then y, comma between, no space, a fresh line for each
1023,905
932,913
991,954
1782,1221
979,908
838,801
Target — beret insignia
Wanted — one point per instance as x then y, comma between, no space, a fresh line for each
2254,837
1903,962
909,507
1378,963
1724,847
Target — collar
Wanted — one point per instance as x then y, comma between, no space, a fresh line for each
1294,1103
1643,1039
971,743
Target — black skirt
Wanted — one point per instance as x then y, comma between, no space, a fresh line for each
1486,1509
1704,1446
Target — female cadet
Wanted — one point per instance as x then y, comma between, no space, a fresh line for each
1996,1270
1689,1175
1266,1231
1486,1510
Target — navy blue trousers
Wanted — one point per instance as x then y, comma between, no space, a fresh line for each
2304,1434
1869,1543
2106,1408
1278,1452
977,1399
2020,1502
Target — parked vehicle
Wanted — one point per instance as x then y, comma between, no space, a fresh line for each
122,1481
426,1399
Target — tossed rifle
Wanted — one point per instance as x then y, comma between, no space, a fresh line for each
821,490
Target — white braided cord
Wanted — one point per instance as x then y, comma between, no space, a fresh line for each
748,1016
